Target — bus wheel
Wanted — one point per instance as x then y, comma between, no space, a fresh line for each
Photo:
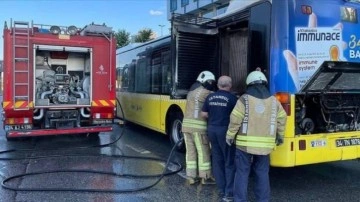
15,139
94,135
175,132
12,139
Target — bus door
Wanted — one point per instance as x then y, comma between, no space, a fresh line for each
244,42
194,48
234,56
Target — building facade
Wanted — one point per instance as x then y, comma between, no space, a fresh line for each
199,8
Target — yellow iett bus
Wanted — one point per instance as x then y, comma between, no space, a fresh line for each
144,88
311,60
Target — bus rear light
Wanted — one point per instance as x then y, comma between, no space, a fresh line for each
284,99
302,144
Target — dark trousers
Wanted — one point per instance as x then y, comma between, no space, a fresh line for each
260,165
222,157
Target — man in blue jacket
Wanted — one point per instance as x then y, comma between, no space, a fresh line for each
217,109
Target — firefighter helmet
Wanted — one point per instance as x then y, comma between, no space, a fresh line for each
256,77
204,76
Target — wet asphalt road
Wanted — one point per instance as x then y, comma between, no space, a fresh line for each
133,142
338,181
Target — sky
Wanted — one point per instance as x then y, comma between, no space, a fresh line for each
131,15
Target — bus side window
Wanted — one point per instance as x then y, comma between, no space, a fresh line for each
166,72
142,76
156,74
118,79
125,78
131,77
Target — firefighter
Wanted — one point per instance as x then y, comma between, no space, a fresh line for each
217,109
198,165
257,125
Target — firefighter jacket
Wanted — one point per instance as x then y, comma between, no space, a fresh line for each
193,122
255,123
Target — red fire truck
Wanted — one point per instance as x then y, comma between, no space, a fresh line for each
58,79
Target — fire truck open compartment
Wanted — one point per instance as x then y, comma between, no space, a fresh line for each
62,77
329,101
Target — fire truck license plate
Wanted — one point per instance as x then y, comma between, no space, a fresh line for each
18,127
347,142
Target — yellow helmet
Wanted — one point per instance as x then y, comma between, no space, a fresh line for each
256,77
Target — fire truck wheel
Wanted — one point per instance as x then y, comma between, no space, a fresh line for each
13,139
93,135
10,139
175,131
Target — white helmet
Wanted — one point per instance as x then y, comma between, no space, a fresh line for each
204,76
256,77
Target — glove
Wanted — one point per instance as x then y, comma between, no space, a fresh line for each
229,141
279,140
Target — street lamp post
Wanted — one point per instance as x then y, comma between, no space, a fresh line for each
161,28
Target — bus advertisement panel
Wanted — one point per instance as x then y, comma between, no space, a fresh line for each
315,59
317,31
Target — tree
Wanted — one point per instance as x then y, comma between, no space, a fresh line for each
122,38
144,35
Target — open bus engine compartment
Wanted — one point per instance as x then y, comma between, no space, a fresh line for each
330,100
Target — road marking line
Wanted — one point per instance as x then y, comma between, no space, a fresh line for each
172,167
139,150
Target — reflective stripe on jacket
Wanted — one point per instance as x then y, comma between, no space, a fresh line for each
255,123
193,122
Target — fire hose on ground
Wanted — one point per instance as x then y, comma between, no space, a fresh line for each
5,183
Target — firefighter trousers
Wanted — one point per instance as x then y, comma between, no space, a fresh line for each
223,156
197,155
260,164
